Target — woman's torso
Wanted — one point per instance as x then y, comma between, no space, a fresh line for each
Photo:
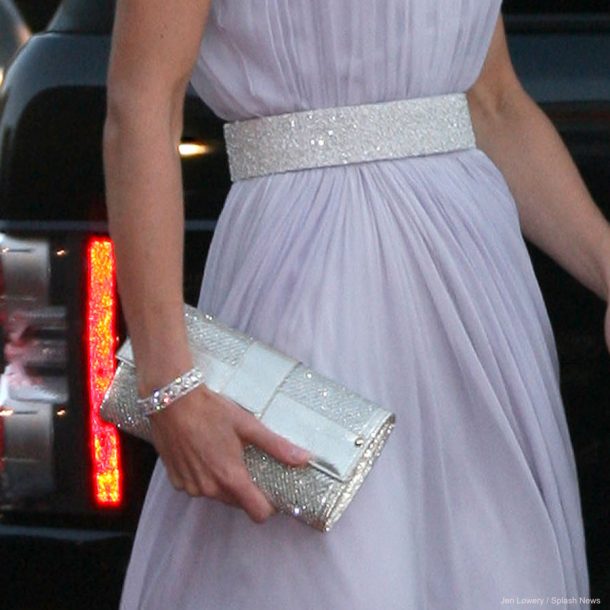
263,57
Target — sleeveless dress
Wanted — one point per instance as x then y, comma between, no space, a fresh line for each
408,281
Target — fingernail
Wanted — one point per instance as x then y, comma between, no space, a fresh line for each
300,454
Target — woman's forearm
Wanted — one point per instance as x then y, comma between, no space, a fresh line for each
556,210
145,212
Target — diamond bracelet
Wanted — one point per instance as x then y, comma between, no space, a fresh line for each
165,396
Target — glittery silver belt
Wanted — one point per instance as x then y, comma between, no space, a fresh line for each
348,134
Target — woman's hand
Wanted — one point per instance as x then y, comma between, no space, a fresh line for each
200,439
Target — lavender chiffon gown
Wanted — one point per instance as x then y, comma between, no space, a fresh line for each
409,281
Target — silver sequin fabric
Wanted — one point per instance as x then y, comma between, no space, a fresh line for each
348,134
306,493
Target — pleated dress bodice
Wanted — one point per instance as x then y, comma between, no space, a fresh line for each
261,57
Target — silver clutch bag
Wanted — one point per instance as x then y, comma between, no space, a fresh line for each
343,431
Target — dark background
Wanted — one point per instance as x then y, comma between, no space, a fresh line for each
38,12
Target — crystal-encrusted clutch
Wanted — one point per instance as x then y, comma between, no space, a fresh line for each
343,431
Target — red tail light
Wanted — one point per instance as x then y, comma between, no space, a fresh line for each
101,345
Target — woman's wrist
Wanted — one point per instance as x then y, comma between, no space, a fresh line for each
161,353
159,369
604,264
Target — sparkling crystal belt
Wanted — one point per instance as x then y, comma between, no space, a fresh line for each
348,134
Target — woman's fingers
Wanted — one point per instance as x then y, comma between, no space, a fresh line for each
241,493
233,478
203,487
202,449
213,492
253,431
174,477
250,497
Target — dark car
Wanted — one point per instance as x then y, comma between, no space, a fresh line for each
64,473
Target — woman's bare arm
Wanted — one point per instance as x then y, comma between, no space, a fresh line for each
200,437
556,210
154,45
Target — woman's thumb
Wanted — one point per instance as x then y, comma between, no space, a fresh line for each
276,445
